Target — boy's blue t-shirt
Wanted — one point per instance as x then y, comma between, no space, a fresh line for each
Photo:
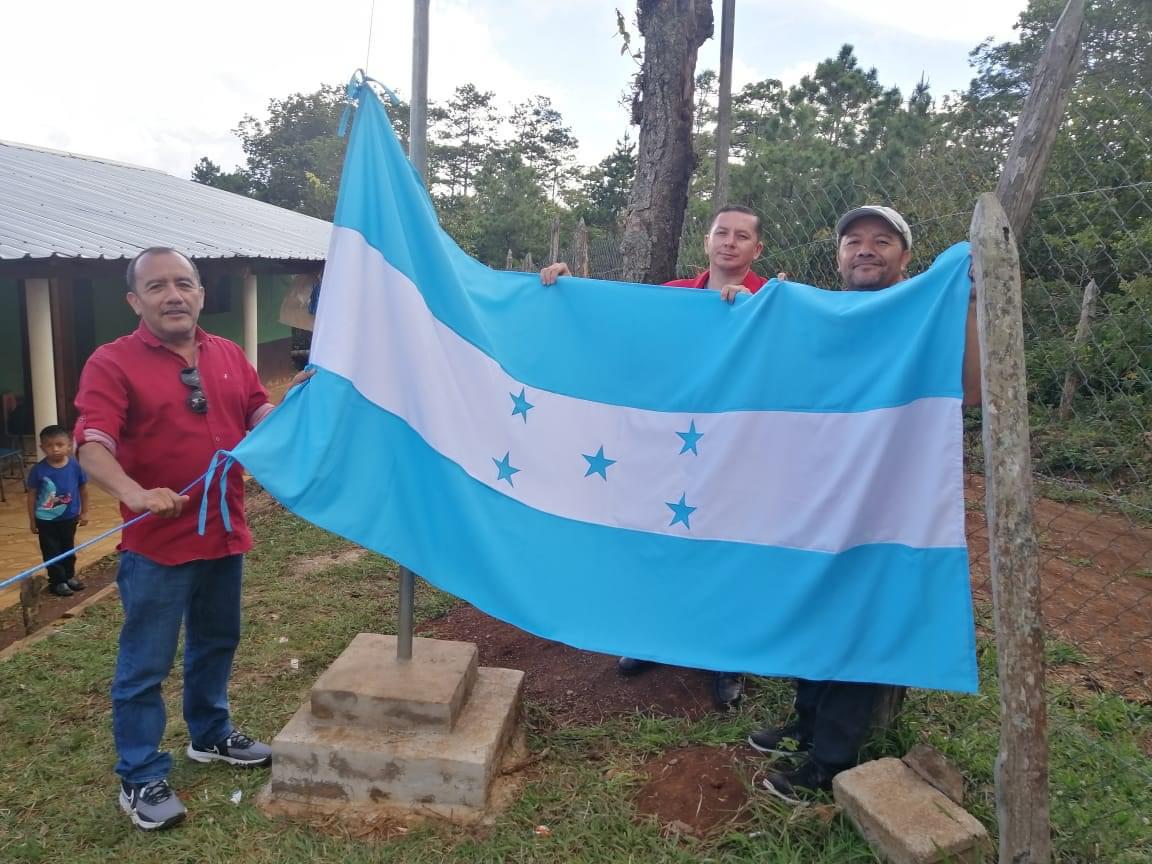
57,489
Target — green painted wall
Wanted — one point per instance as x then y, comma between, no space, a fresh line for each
113,316
11,338
270,294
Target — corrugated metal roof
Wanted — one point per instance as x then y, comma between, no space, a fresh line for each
63,205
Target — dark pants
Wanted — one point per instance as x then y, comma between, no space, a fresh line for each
57,536
837,717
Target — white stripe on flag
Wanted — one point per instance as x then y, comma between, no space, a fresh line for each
822,482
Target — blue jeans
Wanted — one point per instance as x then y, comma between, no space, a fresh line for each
205,595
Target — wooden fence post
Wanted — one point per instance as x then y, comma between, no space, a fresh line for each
1040,119
582,266
1022,761
509,262
1072,376
529,266
554,245
30,590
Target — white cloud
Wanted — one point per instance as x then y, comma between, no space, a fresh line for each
969,22
162,84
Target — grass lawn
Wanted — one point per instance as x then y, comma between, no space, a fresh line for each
57,790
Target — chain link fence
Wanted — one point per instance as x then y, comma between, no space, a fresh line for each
1086,259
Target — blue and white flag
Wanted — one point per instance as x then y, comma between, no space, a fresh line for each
772,486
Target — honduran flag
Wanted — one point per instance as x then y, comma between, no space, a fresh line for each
772,486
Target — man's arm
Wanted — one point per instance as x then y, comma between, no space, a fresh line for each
32,511
103,469
552,272
83,503
971,374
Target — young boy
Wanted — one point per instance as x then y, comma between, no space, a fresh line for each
57,503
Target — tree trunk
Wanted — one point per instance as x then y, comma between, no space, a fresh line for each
673,32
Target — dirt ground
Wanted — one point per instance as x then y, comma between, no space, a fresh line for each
695,790
52,608
1096,584
576,687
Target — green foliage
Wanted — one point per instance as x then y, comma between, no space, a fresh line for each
210,174
295,156
511,210
465,129
604,193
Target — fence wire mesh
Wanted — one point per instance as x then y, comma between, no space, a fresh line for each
1086,260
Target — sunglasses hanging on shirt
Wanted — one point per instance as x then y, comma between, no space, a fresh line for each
196,400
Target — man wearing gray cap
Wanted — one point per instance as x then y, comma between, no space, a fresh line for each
833,718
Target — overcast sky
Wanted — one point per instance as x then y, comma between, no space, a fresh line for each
162,84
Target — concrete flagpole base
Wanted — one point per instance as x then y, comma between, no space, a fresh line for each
380,736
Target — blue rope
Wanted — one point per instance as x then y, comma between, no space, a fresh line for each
19,577
207,477
356,83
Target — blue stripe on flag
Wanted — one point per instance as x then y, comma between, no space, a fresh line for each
339,461
873,350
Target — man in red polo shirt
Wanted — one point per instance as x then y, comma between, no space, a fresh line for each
732,243
154,407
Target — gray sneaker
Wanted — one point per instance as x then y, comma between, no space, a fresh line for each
151,806
236,749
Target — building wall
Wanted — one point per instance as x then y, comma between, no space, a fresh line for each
11,338
113,317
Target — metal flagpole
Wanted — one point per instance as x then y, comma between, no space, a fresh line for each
418,156
724,120
418,127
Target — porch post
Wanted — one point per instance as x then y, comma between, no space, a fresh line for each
251,332
38,306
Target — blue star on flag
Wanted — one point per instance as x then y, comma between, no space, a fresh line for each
598,464
681,511
521,405
690,438
504,469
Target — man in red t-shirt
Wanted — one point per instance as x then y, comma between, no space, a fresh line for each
733,243
155,405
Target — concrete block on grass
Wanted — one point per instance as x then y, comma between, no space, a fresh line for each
906,820
935,769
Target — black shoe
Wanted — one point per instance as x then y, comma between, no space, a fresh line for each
794,786
75,584
786,740
727,689
60,589
629,666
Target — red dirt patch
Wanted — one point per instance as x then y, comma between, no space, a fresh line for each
694,790
1095,585
576,687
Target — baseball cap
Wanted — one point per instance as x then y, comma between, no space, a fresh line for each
886,213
